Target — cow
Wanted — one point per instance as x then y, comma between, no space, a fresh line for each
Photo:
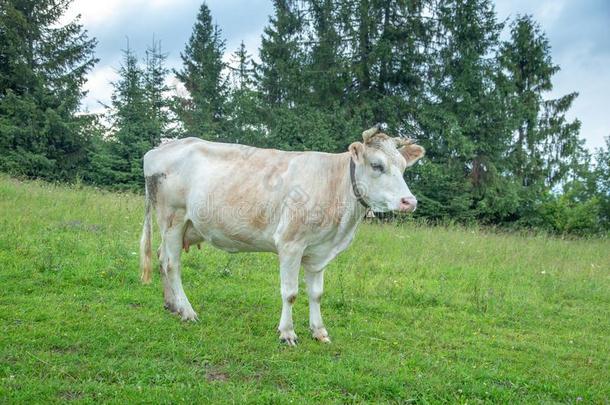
303,206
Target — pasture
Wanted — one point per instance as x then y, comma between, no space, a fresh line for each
416,315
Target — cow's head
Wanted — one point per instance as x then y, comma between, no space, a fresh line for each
380,162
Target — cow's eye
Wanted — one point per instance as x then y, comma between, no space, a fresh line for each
377,166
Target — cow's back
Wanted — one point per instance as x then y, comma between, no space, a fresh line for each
245,198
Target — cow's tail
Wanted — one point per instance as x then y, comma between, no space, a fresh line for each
145,241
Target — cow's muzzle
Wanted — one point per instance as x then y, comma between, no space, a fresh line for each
407,204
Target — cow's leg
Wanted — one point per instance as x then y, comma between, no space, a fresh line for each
290,263
171,248
315,288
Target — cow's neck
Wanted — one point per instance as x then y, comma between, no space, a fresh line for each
354,210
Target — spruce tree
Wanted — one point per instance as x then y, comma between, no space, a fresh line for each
160,117
601,176
290,120
139,116
243,71
119,156
203,112
244,124
327,67
465,117
545,145
43,67
279,74
383,47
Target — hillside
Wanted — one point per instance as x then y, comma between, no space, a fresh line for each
416,314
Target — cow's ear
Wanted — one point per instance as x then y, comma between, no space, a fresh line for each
412,153
357,151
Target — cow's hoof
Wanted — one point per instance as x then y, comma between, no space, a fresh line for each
321,335
188,314
288,337
185,312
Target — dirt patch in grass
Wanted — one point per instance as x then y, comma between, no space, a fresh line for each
216,375
70,395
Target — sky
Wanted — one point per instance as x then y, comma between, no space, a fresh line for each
578,32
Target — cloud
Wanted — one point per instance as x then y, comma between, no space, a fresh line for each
99,87
579,35
95,14
177,88
550,11
118,24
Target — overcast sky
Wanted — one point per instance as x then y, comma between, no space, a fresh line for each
578,31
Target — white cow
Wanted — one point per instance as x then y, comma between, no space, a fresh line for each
304,206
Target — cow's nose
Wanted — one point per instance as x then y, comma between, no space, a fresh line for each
408,204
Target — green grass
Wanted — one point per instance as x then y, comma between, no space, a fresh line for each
416,314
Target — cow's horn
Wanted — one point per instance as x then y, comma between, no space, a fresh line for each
369,133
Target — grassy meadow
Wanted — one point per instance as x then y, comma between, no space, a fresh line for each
416,315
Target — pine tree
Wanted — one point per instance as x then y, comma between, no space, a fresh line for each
43,68
545,145
282,81
601,176
203,113
279,74
140,118
327,67
242,74
384,53
160,118
244,124
118,158
465,117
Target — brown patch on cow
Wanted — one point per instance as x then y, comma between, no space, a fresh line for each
330,200
337,191
170,220
259,220
278,169
249,195
233,196
247,191
376,140
241,191
292,299
173,143
152,185
334,180
215,153
147,245
293,228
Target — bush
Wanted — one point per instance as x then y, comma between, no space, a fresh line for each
566,215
